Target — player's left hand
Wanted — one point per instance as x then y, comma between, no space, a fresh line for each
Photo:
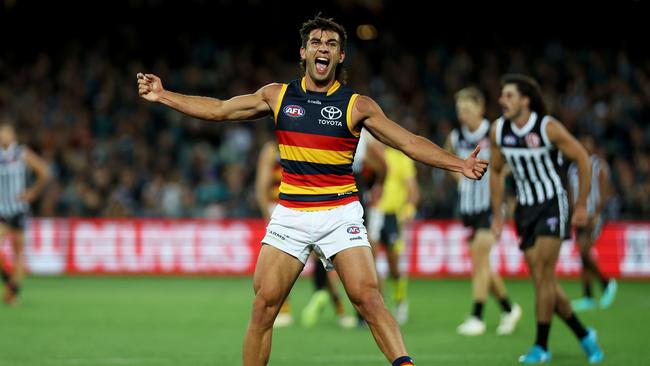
27,196
580,217
474,168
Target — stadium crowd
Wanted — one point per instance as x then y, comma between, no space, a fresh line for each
113,155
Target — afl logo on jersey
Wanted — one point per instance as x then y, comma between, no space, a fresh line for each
533,140
294,111
354,230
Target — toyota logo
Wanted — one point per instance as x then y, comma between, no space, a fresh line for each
331,113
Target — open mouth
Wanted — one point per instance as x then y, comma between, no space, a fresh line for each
321,64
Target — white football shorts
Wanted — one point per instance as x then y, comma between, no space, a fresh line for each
326,232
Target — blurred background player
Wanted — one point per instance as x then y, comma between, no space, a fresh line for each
587,236
15,197
535,147
395,208
475,212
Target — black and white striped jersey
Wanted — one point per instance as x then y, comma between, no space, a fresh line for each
13,180
538,168
593,199
474,194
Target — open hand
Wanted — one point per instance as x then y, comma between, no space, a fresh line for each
580,217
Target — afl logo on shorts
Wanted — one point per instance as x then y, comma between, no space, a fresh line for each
354,230
294,111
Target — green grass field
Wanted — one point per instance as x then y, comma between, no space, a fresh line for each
201,321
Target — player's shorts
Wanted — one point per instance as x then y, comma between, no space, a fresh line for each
383,227
16,222
595,229
478,221
326,232
551,218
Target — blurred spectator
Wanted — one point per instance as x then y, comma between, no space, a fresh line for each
115,156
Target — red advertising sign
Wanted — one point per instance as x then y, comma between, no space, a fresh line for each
158,246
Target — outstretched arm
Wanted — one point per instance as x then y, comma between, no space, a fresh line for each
243,107
573,150
449,146
367,112
496,183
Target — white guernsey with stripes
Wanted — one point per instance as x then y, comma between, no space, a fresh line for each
474,194
13,180
593,199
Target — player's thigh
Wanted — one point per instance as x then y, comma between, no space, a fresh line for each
542,255
482,243
356,269
275,273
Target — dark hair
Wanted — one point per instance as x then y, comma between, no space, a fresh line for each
528,87
327,24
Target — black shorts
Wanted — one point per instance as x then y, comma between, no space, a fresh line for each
481,220
546,219
16,222
475,222
388,229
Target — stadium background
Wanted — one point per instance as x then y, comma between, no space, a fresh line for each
67,76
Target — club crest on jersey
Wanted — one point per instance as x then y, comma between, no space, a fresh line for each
294,111
533,140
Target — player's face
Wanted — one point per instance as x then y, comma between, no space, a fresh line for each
512,102
469,112
7,135
322,54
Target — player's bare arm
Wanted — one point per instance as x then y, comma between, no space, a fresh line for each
42,172
573,150
497,171
239,108
449,146
366,112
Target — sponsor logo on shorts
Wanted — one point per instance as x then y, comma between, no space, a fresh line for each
552,223
356,238
354,230
278,235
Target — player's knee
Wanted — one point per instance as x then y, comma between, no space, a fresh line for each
368,302
267,301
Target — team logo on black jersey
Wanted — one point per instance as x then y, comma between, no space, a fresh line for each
509,140
533,140
294,111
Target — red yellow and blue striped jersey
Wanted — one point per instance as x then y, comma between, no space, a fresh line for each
317,146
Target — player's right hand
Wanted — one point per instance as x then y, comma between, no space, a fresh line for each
497,226
149,86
